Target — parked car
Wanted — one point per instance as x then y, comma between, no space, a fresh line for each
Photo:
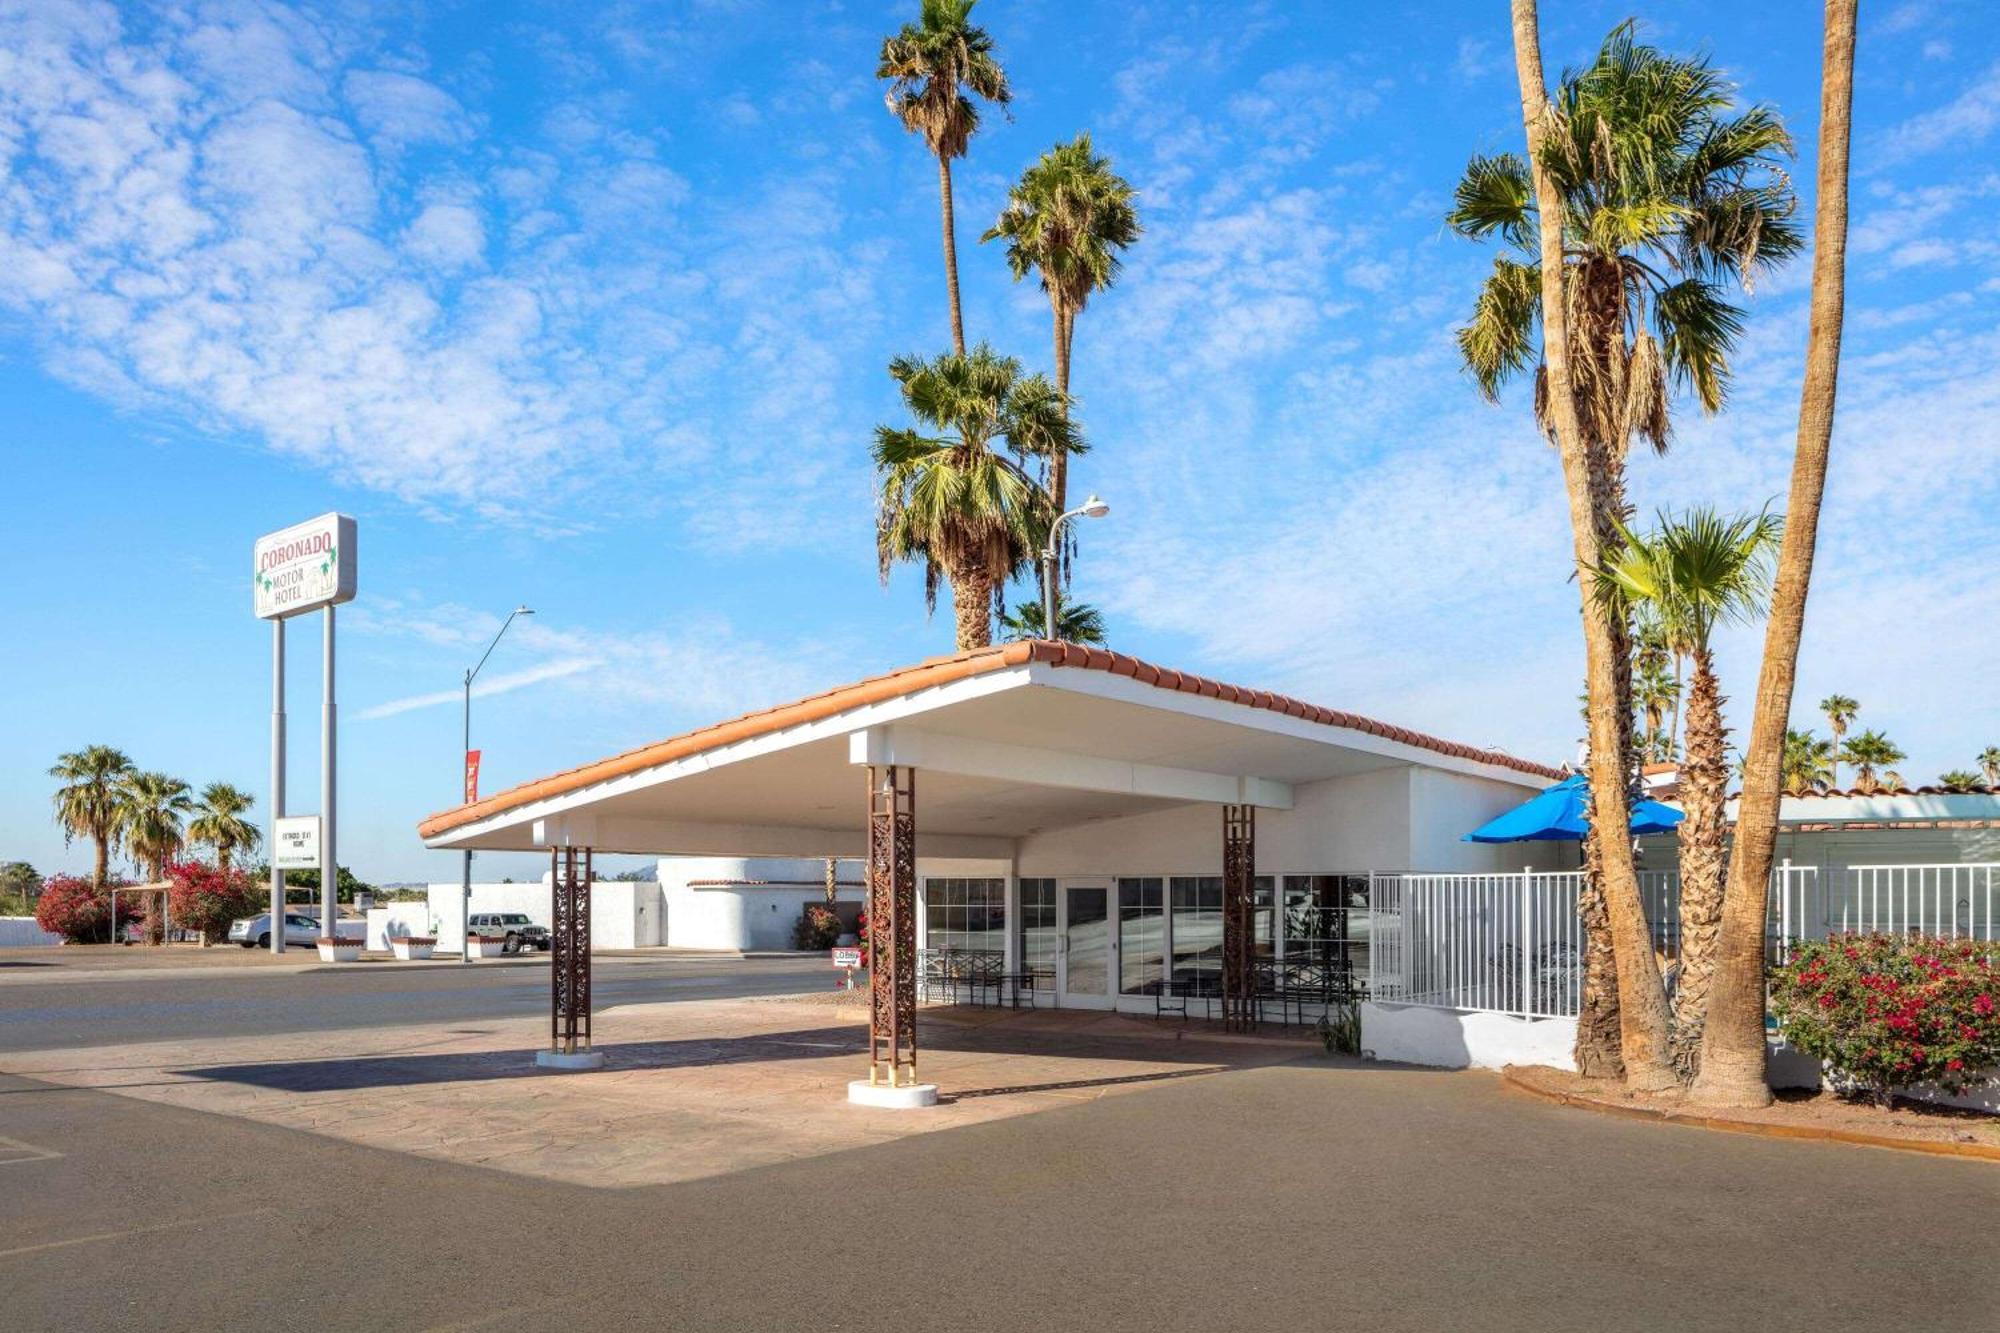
254,932
519,932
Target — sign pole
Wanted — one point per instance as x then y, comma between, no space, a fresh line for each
329,862
277,781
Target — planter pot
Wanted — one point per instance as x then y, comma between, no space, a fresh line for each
339,951
485,946
411,949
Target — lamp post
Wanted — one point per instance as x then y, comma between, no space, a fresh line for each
1091,508
465,753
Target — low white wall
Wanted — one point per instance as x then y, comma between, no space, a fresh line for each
18,932
624,914
744,902
1788,1068
397,919
1457,1039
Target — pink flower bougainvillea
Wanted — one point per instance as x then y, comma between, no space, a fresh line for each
1888,1011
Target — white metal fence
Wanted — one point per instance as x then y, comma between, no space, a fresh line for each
1512,943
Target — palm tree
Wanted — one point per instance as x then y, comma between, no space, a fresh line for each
152,815
1692,574
1650,653
1960,780
1840,711
970,513
1869,751
1989,764
1646,195
89,801
1653,692
1807,765
1067,219
930,65
1732,1045
219,823
1076,622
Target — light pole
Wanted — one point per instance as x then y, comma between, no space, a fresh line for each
1091,508
464,757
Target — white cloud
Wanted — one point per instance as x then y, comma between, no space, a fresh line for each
1967,119
400,109
447,236
498,684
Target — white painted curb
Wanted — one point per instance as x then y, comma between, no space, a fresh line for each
910,1096
580,1060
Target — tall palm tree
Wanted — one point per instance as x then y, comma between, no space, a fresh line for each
971,513
1989,765
1067,219
1840,711
1076,622
1653,693
219,823
1732,1044
931,65
1869,751
1648,196
1807,766
153,815
1693,573
1960,780
1650,653
90,801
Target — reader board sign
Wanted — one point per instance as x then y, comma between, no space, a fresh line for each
295,842
847,958
304,567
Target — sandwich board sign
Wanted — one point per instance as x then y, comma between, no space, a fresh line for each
295,842
304,567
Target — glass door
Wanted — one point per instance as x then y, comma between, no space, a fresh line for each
1084,980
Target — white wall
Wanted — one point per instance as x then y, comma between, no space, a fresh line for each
755,912
17,932
624,914
1456,1039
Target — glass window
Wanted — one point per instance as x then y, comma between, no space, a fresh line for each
1326,923
1197,931
1039,940
1141,935
965,915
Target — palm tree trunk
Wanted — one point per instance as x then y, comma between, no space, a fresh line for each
951,256
972,609
1597,1049
1833,764
1059,465
1704,776
1732,1044
101,868
1642,1004
1676,750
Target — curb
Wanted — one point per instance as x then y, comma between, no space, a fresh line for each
1979,1152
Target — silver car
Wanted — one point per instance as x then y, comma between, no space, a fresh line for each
254,932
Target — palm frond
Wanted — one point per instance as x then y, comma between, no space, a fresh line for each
1498,342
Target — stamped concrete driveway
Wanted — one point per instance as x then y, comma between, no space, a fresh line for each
1301,1195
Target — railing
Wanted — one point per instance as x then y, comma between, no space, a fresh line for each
1512,943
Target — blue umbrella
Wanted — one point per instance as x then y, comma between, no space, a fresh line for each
1558,815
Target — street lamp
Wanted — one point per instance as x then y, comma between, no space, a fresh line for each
1091,508
465,757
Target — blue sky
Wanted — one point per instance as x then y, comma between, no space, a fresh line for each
589,307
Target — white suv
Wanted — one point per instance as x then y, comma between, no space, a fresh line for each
254,932
514,927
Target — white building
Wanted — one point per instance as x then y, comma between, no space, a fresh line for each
1068,815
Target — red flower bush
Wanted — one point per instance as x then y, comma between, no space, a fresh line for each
1887,1011
74,908
207,898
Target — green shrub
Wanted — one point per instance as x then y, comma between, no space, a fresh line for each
1888,1011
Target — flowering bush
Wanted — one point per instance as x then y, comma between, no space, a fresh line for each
74,908
818,927
1886,1011
207,898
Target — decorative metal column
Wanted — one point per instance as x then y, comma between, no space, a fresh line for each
569,959
1239,869
892,925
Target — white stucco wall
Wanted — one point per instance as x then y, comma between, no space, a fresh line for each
1456,1039
18,932
624,914
750,902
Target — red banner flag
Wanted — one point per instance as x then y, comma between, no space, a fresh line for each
471,776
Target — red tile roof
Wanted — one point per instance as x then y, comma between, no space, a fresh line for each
941,671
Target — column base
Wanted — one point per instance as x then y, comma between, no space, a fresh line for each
571,1062
909,1097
